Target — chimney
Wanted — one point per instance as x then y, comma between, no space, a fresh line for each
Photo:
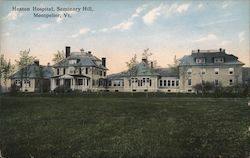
89,52
67,51
151,64
220,49
48,64
104,62
198,50
36,62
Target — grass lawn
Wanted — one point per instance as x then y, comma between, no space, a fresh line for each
124,127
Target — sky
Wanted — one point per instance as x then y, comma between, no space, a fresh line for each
119,29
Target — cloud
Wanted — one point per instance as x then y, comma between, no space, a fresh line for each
209,37
182,8
75,35
200,6
225,5
139,10
126,25
13,15
224,43
151,16
165,10
43,26
218,21
82,31
241,36
104,30
7,34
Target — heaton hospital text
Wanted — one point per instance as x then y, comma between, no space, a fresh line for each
48,9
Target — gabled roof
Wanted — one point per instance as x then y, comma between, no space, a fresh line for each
209,56
167,72
143,69
34,71
83,59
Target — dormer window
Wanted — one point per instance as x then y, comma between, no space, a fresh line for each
72,61
218,60
200,60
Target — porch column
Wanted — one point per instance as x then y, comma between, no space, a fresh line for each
61,82
52,84
72,84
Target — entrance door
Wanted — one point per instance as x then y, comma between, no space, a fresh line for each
67,83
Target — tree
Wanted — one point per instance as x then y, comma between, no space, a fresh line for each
132,70
146,54
174,66
5,71
59,56
22,64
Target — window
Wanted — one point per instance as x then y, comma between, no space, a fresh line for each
80,71
216,71
27,83
189,71
64,70
230,82
139,82
189,82
116,83
216,82
71,70
147,79
79,82
231,71
168,83
18,82
200,60
104,73
57,71
109,83
165,83
203,71
160,82
150,83
177,83
86,71
172,82
218,60
87,82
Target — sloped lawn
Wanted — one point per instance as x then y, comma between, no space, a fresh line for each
67,127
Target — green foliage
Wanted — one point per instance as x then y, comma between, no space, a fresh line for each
59,56
124,127
24,59
6,69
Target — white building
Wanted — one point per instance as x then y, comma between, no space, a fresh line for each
214,66
144,77
32,78
79,71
